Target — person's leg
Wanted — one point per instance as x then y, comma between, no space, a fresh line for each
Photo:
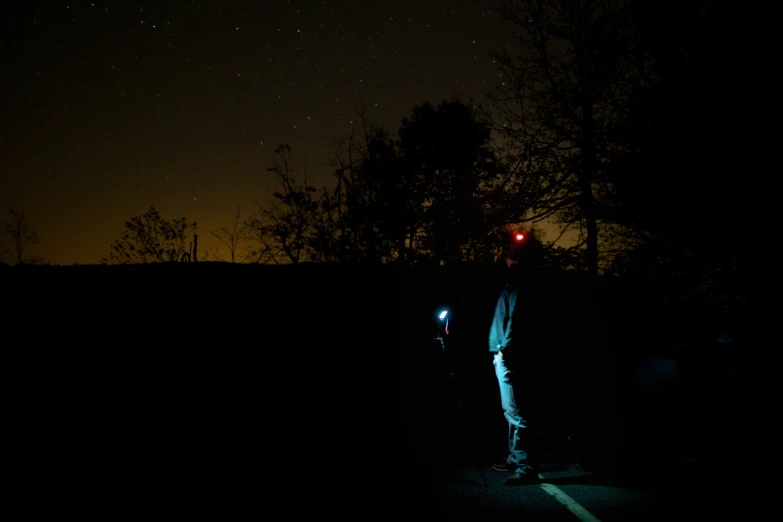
517,426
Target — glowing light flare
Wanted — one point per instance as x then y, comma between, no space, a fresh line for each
443,315
519,237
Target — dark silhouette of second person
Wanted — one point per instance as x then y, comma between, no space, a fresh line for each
506,344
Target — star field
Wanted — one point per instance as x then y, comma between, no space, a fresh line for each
111,107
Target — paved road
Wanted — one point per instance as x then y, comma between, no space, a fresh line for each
230,478
692,493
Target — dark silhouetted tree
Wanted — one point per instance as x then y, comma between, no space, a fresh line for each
564,88
693,185
371,200
326,232
702,143
285,227
417,197
149,238
447,161
19,236
235,236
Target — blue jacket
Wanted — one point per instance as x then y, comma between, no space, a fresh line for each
506,322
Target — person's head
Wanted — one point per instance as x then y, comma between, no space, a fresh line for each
514,246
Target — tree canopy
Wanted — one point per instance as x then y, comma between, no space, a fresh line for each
149,238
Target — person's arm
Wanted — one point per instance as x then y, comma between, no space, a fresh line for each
509,324
498,327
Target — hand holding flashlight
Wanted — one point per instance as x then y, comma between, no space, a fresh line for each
443,317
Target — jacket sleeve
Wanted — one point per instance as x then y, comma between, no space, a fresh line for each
498,327
511,324
501,336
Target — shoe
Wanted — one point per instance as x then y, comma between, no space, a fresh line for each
503,465
519,478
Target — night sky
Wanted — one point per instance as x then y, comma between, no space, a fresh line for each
111,107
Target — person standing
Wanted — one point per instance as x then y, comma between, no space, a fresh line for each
506,345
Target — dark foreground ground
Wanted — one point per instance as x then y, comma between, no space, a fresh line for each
226,390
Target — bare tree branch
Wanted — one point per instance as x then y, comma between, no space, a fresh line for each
21,236
234,236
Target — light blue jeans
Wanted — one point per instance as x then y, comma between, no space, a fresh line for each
517,426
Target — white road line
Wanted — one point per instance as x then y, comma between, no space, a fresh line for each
572,505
